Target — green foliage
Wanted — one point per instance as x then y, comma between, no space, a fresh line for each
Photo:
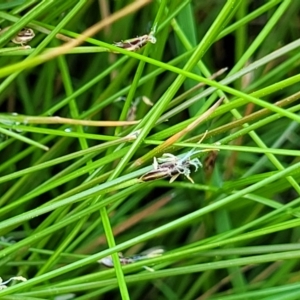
71,192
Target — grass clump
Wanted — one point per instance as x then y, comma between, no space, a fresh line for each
106,88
